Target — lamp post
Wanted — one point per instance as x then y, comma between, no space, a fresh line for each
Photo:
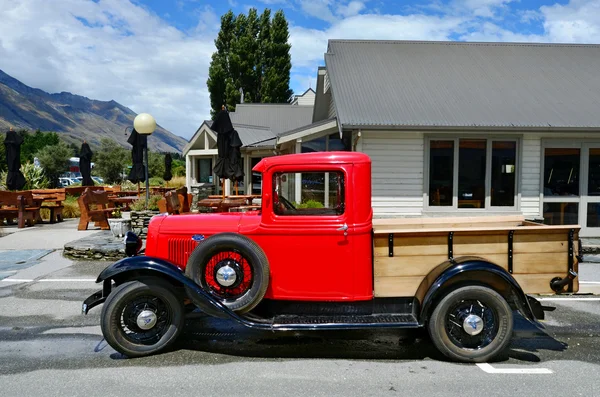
145,124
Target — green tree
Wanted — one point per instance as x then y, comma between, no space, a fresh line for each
111,161
276,81
34,142
54,159
253,54
3,166
156,164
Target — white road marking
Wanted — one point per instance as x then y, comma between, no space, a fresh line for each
589,282
485,367
568,299
51,280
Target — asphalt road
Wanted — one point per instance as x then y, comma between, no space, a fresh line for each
48,348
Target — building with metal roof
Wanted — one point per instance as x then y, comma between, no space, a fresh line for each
461,129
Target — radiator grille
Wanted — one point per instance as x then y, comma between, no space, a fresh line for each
180,249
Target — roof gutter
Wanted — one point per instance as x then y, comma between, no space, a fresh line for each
512,129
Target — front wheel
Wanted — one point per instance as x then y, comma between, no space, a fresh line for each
471,324
142,317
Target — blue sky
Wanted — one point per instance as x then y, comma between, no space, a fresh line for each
153,55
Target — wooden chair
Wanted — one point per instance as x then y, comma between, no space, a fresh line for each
54,196
94,208
176,202
18,205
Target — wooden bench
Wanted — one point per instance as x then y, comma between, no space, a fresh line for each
56,197
18,205
93,205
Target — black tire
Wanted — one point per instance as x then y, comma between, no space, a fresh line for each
243,254
449,321
126,302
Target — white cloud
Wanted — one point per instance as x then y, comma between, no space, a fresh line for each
318,9
482,8
110,49
308,45
350,9
577,21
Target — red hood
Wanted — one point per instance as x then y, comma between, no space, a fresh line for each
201,223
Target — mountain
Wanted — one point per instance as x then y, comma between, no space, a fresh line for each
74,117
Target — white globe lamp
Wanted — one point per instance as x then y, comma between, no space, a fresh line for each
144,124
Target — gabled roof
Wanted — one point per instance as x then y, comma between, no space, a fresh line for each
406,84
250,135
278,117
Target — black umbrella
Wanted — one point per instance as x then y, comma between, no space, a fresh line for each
85,165
168,161
15,179
223,127
236,169
138,143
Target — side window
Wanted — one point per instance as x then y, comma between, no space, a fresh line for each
308,193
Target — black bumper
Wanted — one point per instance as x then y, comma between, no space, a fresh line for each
97,298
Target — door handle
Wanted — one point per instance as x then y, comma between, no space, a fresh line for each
343,228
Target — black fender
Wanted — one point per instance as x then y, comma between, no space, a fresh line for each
474,270
143,266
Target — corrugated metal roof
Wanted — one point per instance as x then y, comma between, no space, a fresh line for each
456,84
278,117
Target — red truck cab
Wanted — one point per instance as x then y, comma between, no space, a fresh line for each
314,253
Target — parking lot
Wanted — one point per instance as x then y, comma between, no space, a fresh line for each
48,348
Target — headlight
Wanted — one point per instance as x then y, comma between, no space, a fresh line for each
133,244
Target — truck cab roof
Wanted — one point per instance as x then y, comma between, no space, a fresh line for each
313,158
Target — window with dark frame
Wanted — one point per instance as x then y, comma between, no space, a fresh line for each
481,167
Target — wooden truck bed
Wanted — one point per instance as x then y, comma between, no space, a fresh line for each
407,249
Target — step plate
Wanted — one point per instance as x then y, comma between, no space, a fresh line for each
401,320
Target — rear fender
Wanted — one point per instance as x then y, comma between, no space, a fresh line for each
144,266
459,272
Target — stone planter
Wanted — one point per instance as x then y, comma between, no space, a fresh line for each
119,226
140,221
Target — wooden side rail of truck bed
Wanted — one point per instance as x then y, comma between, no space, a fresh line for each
406,250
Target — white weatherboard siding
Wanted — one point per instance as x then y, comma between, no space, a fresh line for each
307,99
530,176
397,172
331,113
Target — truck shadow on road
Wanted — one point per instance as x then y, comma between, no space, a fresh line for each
224,337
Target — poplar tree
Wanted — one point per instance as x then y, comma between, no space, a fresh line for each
253,54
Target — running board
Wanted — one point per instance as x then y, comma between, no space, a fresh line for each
293,322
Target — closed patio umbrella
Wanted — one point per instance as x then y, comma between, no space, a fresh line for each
85,165
138,143
223,127
168,162
15,179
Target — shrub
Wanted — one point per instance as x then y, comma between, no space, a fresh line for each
157,181
34,177
310,204
140,205
71,208
176,182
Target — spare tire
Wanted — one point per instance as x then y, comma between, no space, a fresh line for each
232,268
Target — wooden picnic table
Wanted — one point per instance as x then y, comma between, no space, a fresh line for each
124,200
247,197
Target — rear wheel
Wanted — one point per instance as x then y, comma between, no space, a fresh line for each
142,317
471,324
232,268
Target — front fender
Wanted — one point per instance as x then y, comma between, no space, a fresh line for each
472,270
140,266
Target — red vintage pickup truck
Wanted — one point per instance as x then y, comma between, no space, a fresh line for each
312,257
